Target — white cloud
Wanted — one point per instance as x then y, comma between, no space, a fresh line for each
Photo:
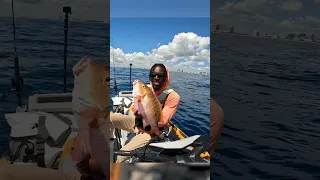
200,63
302,22
258,8
316,1
291,5
246,7
184,51
249,15
249,12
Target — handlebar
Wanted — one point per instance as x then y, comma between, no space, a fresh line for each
131,153
123,153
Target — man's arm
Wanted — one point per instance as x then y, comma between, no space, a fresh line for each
170,107
216,123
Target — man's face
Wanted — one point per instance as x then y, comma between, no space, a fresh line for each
157,78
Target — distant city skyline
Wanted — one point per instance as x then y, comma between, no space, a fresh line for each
268,15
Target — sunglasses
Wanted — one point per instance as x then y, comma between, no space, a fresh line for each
160,75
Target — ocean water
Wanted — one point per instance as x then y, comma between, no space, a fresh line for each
193,114
40,45
269,90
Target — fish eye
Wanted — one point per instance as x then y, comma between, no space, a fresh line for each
143,86
107,79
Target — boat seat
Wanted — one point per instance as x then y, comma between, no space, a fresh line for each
55,102
126,94
179,144
50,131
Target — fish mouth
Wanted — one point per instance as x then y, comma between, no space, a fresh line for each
135,82
135,93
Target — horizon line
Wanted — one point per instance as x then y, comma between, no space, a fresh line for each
138,67
159,17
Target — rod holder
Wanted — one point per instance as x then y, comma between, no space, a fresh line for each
67,11
130,77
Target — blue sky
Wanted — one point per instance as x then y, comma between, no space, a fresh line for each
144,34
156,8
145,30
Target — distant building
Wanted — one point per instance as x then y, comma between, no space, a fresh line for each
291,36
221,28
313,38
255,33
232,29
217,27
301,36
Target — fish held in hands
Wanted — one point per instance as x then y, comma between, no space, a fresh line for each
91,93
148,105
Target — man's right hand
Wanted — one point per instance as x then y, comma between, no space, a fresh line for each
137,113
138,121
140,124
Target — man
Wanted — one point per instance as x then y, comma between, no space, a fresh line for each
159,77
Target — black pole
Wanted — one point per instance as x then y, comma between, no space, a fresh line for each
130,77
17,80
114,72
66,10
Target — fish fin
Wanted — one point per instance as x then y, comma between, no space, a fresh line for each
81,65
144,123
135,107
137,99
89,114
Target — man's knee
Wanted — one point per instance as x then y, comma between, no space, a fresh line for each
121,159
216,123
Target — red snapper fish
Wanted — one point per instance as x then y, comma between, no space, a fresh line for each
148,105
91,97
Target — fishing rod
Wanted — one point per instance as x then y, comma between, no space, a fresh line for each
130,77
17,81
117,131
114,72
67,11
116,92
